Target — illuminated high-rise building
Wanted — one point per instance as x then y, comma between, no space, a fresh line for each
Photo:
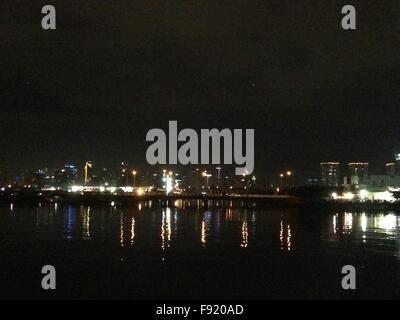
123,175
168,181
390,169
330,173
105,177
397,157
66,177
358,171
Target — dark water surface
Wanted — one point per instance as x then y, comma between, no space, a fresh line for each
148,252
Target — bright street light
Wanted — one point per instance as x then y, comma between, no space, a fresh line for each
134,177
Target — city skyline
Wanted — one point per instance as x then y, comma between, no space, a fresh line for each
267,174
332,168
308,99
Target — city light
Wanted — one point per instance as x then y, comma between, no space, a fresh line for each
134,172
363,194
127,189
384,196
86,169
76,188
386,222
355,188
112,189
344,196
168,184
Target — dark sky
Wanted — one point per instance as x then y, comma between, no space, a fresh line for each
115,69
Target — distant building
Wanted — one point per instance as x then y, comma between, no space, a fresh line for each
193,180
123,175
397,157
4,177
312,182
390,169
330,174
151,178
106,177
103,178
358,172
66,177
382,182
39,179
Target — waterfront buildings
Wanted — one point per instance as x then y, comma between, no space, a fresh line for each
330,173
382,182
358,172
397,158
66,176
390,169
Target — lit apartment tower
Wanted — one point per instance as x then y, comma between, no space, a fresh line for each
390,169
123,175
397,157
66,177
330,174
358,171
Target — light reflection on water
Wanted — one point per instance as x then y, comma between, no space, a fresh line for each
185,226
132,230
166,228
380,223
85,214
245,235
379,231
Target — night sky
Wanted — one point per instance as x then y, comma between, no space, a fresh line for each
115,69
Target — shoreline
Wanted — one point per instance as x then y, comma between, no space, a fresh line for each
191,201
